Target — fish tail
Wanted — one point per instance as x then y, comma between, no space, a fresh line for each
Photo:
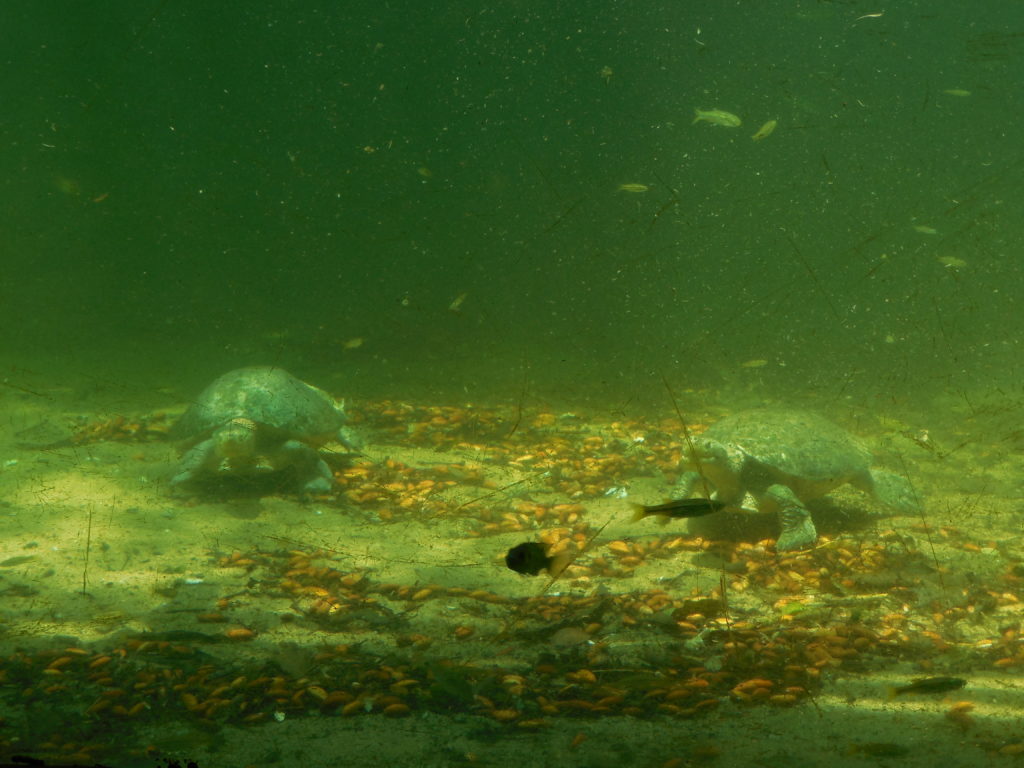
559,563
639,511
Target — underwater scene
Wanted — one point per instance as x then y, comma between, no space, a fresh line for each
525,384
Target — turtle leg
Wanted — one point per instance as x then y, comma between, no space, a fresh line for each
685,485
888,489
313,473
198,460
798,531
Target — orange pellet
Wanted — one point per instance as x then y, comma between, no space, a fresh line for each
463,632
98,706
352,708
240,633
396,710
753,684
578,739
423,594
504,715
581,676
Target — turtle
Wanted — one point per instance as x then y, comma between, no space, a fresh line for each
256,420
783,459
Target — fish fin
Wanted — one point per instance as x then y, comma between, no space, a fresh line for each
639,511
664,519
559,563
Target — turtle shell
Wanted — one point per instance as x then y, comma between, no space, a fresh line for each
271,397
796,444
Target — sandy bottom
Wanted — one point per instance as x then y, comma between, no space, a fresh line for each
238,624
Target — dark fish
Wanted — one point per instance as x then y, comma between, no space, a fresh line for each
930,685
672,510
531,558
878,749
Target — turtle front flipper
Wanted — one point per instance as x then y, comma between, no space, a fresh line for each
312,473
685,485
798,531
198,460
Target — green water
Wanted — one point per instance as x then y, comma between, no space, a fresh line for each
506,205
234,184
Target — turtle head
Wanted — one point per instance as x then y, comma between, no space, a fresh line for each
351,439
704,453
236,440
717,464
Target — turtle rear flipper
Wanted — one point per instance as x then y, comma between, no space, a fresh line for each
890,490
798,531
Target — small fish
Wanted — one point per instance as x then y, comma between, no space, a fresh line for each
456,305
929,685
354,343
951,262
635,188
676,509
717,117
957,92
765,130
531,558
754,363
925,230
